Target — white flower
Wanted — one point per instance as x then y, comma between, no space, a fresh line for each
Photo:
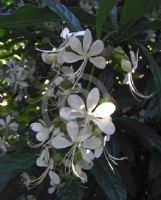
130,68
42,130
100,115
86,51
67,34
8,124
45,161
78,140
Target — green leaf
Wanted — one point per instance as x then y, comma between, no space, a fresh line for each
110,183
103,12
28,15
156,71
12,165
141,132
65,14
71,190
133,10
142,27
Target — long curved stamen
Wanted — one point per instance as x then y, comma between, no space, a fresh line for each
134,91
73,167
37,181
79,72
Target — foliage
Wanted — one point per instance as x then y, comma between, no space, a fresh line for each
130,167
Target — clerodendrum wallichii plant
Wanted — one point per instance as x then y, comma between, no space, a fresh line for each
89,105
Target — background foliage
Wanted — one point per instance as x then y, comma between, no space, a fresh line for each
123,25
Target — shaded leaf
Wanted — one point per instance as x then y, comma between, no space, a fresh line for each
110,183
103,12
72,190
141,132
26,16
12,165
156,71
134,10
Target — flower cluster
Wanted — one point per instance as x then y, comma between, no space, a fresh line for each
84,127
7,126
18,78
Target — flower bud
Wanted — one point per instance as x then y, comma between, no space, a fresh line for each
49,58
126,65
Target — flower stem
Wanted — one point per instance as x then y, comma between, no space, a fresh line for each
90,79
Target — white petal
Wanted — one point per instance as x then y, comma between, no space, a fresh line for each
72,129
42,136
87,40
105,125
85,133
76,103
8,119
2,122
76,45
67,113
86,166
87,155
54,177
41,163
36,127
92,99
59,142
51,189
99,62
92,143
65,32
70,57
98,151
104,110
96,48
13,126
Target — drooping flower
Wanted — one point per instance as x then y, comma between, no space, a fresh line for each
45,161
100,115
81,141
130,68
86,51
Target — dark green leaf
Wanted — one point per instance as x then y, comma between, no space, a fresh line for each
134,10
156,71
72,190
143,26
103,12
26,16
110,183
65,14
12,165
141,132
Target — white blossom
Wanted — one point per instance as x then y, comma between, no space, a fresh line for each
130,68
86,51
42,130
100,115
78,140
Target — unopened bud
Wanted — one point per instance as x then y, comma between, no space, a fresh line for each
49,58
126,65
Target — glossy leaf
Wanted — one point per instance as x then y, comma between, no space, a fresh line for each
134,10
156,71
26,16
12,165
103,12
111,183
